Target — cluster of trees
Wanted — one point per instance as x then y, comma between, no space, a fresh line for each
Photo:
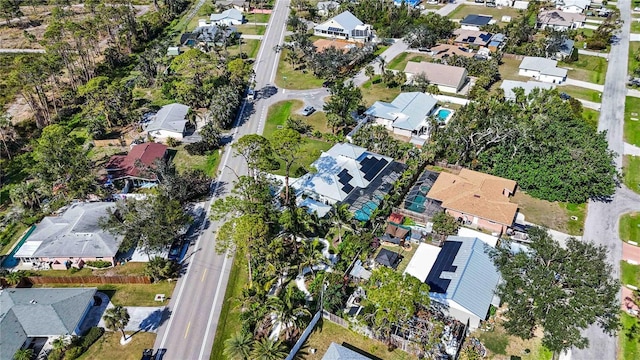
538,140
389,20
601,37
431,28
486,70
343,102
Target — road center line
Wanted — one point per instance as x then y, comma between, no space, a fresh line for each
186,333
213,307
203,275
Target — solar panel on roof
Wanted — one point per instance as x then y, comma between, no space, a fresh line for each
375,169
335,29
367,163
347,188
444,262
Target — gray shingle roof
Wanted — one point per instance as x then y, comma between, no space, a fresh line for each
339,352
75,233
407,111
509,85
476,20
170,117
543,65
39,312
227,14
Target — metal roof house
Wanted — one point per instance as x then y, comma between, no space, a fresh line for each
542,69
345,26
71,239
27,313
128,166
339,352
509,85
407,115
475,22
461,276
228,17
169,122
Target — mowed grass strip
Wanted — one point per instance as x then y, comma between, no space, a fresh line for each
587,68
108,347
631,171
632,120
630,227
298,79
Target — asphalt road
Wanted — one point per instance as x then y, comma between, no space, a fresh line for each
195,305
601,224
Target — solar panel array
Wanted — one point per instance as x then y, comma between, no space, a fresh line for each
334,29
444,262
371,166
344,178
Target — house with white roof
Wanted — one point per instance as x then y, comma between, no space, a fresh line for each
461,276
228,17
560,20
542,69
573,6
345,26
170,122
29,314
407,115
509,85
450,79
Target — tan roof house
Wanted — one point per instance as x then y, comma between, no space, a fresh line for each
449,79
446,50
560,20
477,199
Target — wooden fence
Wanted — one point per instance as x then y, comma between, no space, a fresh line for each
116,279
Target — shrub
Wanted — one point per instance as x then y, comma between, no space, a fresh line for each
92,336
100,264
73,353
198,148
55,354
171,142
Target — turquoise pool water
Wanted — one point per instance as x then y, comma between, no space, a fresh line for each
443,114
11,261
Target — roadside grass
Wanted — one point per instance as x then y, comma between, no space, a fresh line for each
278,114
377,92
631,172
629,338
207,163
509,70
327,332
256,18
250,29
503,346
14,234
462,11
318,120
129,294
108,347
591,117
229,322
634,48
300,79
632,120
553,215
629,274
587,68
380,50
400,62
581,93
630,227
406,254
635,26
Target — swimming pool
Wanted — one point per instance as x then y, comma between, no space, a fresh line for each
10,261
443,114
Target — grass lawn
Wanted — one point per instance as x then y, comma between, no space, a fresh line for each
509,70
229,322
406,254
635,26
300,79
247,46
634,47
630,227
14,233
632,120
630,274
581,93
554,215
587,68
400,62
591,117
207,163
631,165
257,18
380,49
629,338
373,92
129,294
278,114
108,347
462,11
250,29
502,346
327,332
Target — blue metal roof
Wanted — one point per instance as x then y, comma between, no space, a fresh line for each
412,3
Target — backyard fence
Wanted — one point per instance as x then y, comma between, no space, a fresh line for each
513,56
304,336
117,279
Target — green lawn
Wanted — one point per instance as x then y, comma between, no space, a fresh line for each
250,29
587,68
248,46
229,322
591,117
630,227
632,120
207,163
406,255
129,294
299,79
108,347
630,274
634,47
581,93
629,338
400,61
554,215
504,346
257,18
635,26
278,114
377,92
462,11
631,171
509,69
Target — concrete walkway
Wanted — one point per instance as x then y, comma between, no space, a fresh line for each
584,84
590,104
252,37
593,53
22,51
397,48
630,149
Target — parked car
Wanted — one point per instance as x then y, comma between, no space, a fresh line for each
327,84
251,94
490,4
308,110
565,96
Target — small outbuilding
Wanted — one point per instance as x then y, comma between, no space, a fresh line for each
388,258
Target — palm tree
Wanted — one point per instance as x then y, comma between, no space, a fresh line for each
5,127
290,314
116,318
267,349
23,354
369,72
15,277
382,62
341,216
238,347
310,255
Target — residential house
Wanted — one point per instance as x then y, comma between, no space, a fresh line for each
474,38
442,51
326,7
461,276
475,22
136,164
228,17
27,314
566,49
339,352
476,199
71,239
573,6
560,20
542,69
520,5
240,5
169,122
388,258
396,233
450,79
352,175
173,51
504,3
407,115
345,26
210,35
509,85
497,42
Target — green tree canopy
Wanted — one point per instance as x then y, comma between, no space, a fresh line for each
562,290
286,144
344,99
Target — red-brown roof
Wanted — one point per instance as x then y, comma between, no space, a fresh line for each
125,165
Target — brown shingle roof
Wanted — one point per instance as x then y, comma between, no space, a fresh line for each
476,194
438,74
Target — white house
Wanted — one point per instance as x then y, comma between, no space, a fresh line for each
461,276
507,3
560,20
450,79
475,22
573,6
228,17
169,122
542,69
345,26
407,115
509,85
520,5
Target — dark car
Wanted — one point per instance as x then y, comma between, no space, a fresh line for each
565,96
327,84
308,110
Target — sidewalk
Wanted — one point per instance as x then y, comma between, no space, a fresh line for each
590,104
630,149
584,84
593,53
